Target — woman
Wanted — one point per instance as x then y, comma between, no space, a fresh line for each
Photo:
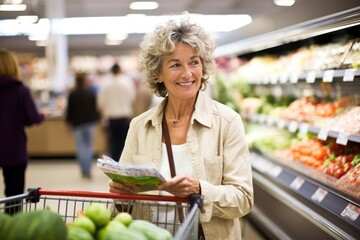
81,116
17,111
208,140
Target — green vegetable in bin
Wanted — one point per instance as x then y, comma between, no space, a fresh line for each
356,160
112,226
99,214
125,234
150,230
36,225
4,219
85,223
124,218
78,233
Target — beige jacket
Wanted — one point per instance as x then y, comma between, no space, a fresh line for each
219,157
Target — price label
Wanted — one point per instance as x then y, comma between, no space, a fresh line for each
270,121
310,77
254,118
297,183
259,163
349,75
328,76
252,80
323,134
319,195
304,128
293,126
281,124
266,79
342,139
351,212
294,77
263,165
273,79
254,158
275,171
283,78
262,119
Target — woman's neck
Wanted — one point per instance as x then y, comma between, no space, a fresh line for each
177,113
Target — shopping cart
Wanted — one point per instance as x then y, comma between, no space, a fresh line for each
68,204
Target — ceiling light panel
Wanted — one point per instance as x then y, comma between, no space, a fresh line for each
13,7
284,3
26,19
144,5
104,25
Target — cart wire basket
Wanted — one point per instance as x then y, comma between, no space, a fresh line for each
67,204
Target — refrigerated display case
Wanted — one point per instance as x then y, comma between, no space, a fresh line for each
306,84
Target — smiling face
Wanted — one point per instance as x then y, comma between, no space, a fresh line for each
181,72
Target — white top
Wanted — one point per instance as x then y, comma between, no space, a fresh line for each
181,161
182,166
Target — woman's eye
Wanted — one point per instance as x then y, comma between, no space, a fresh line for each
175,65
194,62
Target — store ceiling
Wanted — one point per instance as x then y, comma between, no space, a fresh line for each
260,10
90,8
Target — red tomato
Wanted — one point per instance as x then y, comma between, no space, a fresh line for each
347,166
345,159
338,173
328,171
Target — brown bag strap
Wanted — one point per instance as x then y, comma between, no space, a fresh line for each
168,146
171,159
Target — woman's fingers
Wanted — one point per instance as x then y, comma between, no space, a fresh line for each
181,186
115,187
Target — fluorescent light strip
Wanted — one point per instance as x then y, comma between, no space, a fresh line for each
116,36
39,37
112,42
41,43
103,25
284,3
12,7
143,5
27,19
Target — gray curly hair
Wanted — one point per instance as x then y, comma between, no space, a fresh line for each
163,40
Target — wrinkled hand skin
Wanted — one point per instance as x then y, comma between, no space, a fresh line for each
115,187
181,186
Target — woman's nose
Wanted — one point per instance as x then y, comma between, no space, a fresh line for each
186,73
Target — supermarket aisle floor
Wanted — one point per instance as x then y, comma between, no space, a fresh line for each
65,175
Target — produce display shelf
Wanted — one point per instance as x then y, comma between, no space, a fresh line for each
344,207
293,126
345,75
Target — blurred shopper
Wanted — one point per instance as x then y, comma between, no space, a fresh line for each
81,116
144,97
17,111
115,101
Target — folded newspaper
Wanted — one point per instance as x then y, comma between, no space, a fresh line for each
139,178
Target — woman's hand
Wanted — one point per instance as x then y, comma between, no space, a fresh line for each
115,187
181,186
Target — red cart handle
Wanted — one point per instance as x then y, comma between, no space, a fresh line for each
115,196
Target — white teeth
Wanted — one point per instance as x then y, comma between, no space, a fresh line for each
185,84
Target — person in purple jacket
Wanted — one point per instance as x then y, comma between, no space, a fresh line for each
17,111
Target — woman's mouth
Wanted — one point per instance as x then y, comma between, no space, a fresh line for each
185,84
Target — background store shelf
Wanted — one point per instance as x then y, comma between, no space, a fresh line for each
293,126
345,222
345,75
